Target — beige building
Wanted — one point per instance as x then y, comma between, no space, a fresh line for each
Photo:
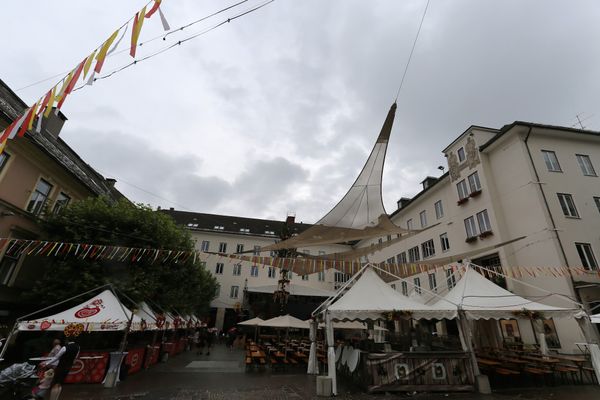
39,173
524,179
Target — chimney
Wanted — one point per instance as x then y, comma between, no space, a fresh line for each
171,208
429,181
290,219
402,202
54,123
110,182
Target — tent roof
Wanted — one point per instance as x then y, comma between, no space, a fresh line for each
285,321
103,312
356,325
370,296
294,290
252,322
480,298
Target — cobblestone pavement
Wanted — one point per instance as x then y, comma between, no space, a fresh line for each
222,376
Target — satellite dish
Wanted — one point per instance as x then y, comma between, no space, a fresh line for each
353,359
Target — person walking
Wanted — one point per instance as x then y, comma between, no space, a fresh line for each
210,336
64,361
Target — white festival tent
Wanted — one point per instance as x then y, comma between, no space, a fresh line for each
349,325
285,321
103,312
252,322
480,298
145,313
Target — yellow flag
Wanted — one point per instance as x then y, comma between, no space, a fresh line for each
103,50
135,31
50,102
88,64
66,82
34,112
3,145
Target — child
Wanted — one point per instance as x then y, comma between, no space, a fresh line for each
39,392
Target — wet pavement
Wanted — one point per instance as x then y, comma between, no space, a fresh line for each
222,375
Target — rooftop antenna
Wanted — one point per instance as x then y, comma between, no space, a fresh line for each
580,120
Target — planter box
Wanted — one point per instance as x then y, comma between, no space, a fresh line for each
462,201
475,193
471,239
483,235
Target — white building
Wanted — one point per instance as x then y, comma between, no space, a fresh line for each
230,234
524,179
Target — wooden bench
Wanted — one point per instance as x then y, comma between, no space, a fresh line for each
506,371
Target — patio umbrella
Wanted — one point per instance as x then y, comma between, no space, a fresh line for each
252,322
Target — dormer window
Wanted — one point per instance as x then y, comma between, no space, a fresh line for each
244,230
461,154
269,232
219,227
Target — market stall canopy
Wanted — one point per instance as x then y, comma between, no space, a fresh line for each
595,318
285,321
480,298
293,290
146,314
370,297
103,312
252,322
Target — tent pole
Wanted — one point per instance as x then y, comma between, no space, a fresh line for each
331,372
585,324
13,333
482,384
313,365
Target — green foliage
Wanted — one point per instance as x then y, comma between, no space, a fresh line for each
184,286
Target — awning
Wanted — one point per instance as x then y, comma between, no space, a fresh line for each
285,321
252,322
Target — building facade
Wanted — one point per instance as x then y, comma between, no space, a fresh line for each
229,234
525,179
39,174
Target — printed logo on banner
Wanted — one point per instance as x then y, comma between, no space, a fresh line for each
45,325
90,310
77,367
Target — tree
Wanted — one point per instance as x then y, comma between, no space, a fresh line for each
185,286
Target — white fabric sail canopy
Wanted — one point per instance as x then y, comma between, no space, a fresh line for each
370,297
480,298
595,318
103,312
285,321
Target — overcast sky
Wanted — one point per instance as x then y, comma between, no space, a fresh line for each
277,111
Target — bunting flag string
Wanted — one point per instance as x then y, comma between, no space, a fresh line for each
302,266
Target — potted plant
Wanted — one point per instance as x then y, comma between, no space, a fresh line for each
475,193
471,239
462,201
485,234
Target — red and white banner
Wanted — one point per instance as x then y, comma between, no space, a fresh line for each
89,367
134,360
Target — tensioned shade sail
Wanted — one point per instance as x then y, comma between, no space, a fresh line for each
285,321
370,297
103,312
480,298
360,214
251,322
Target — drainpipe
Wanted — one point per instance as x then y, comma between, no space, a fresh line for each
554,228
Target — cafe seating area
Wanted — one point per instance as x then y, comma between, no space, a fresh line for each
280,354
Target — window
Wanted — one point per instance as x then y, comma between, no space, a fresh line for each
305,277
256,250
393,285
219,227
254,271
417,282
413,254
340,278
219,269
461,154
439,209
444,242
321,276
474,183
586,165
462,190
273,253
62,200
205,245
3,160
409,224
271,272
588,261
222,247
245,230
484,221
423,218
218,291
428,248
8,266
432,282
239,248
450,279
39,197
597,201
237,269
551,161
233,293
404,287
269,232
390,260
568,205
470,227
401,258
